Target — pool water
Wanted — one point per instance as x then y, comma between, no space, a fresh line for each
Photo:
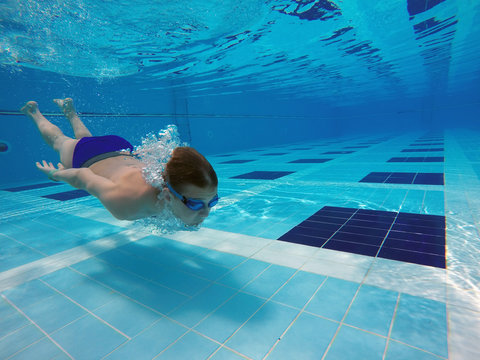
76,283
345,138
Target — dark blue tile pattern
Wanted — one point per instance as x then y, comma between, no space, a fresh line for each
418,159
406,237
33,186
263,175
309,161
67,195
404,178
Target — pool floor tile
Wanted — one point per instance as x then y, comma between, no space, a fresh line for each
414,238
18,340
299,289
222,323
43,349
53,313
126,315
198,307
268,282
190,346
354,344
373,309
149,343
397,351
421,323
333,298
308,338
88,338
261,332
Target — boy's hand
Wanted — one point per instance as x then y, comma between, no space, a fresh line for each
48,168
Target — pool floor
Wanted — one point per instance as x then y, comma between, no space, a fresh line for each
350,248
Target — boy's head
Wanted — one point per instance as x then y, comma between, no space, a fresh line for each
191,185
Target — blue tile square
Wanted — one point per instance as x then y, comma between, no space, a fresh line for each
127,316
421,323
261,332
150,342
373,309
53,313
299,289
198,307
29,293
397,351
18,340
12,322
333,298
225,354
43,349
354,344
88,338
222,323
263,175
244,273
308,338
190,346
268,282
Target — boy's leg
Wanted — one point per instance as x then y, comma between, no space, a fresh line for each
79,128
52,134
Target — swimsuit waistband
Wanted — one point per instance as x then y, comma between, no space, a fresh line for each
104,156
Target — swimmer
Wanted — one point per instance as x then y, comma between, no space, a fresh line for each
104,167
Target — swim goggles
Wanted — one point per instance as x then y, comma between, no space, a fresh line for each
193,204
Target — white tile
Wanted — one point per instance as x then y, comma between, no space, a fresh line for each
280,258
413,279
464,332
334,269
466,298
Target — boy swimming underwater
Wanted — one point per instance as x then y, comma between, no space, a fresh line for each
105,167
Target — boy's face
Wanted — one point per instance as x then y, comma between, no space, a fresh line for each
180,210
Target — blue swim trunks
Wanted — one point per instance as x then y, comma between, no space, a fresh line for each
89,150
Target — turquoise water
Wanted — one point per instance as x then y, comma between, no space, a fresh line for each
345,139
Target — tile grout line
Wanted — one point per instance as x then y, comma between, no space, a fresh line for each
391,326
37,326
85,309
302,311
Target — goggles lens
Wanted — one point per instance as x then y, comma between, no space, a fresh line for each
193,204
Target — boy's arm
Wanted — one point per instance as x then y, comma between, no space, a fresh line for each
85,179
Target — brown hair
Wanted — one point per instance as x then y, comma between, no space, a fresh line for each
188,166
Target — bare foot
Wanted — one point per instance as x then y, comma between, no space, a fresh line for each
30,108
66,105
